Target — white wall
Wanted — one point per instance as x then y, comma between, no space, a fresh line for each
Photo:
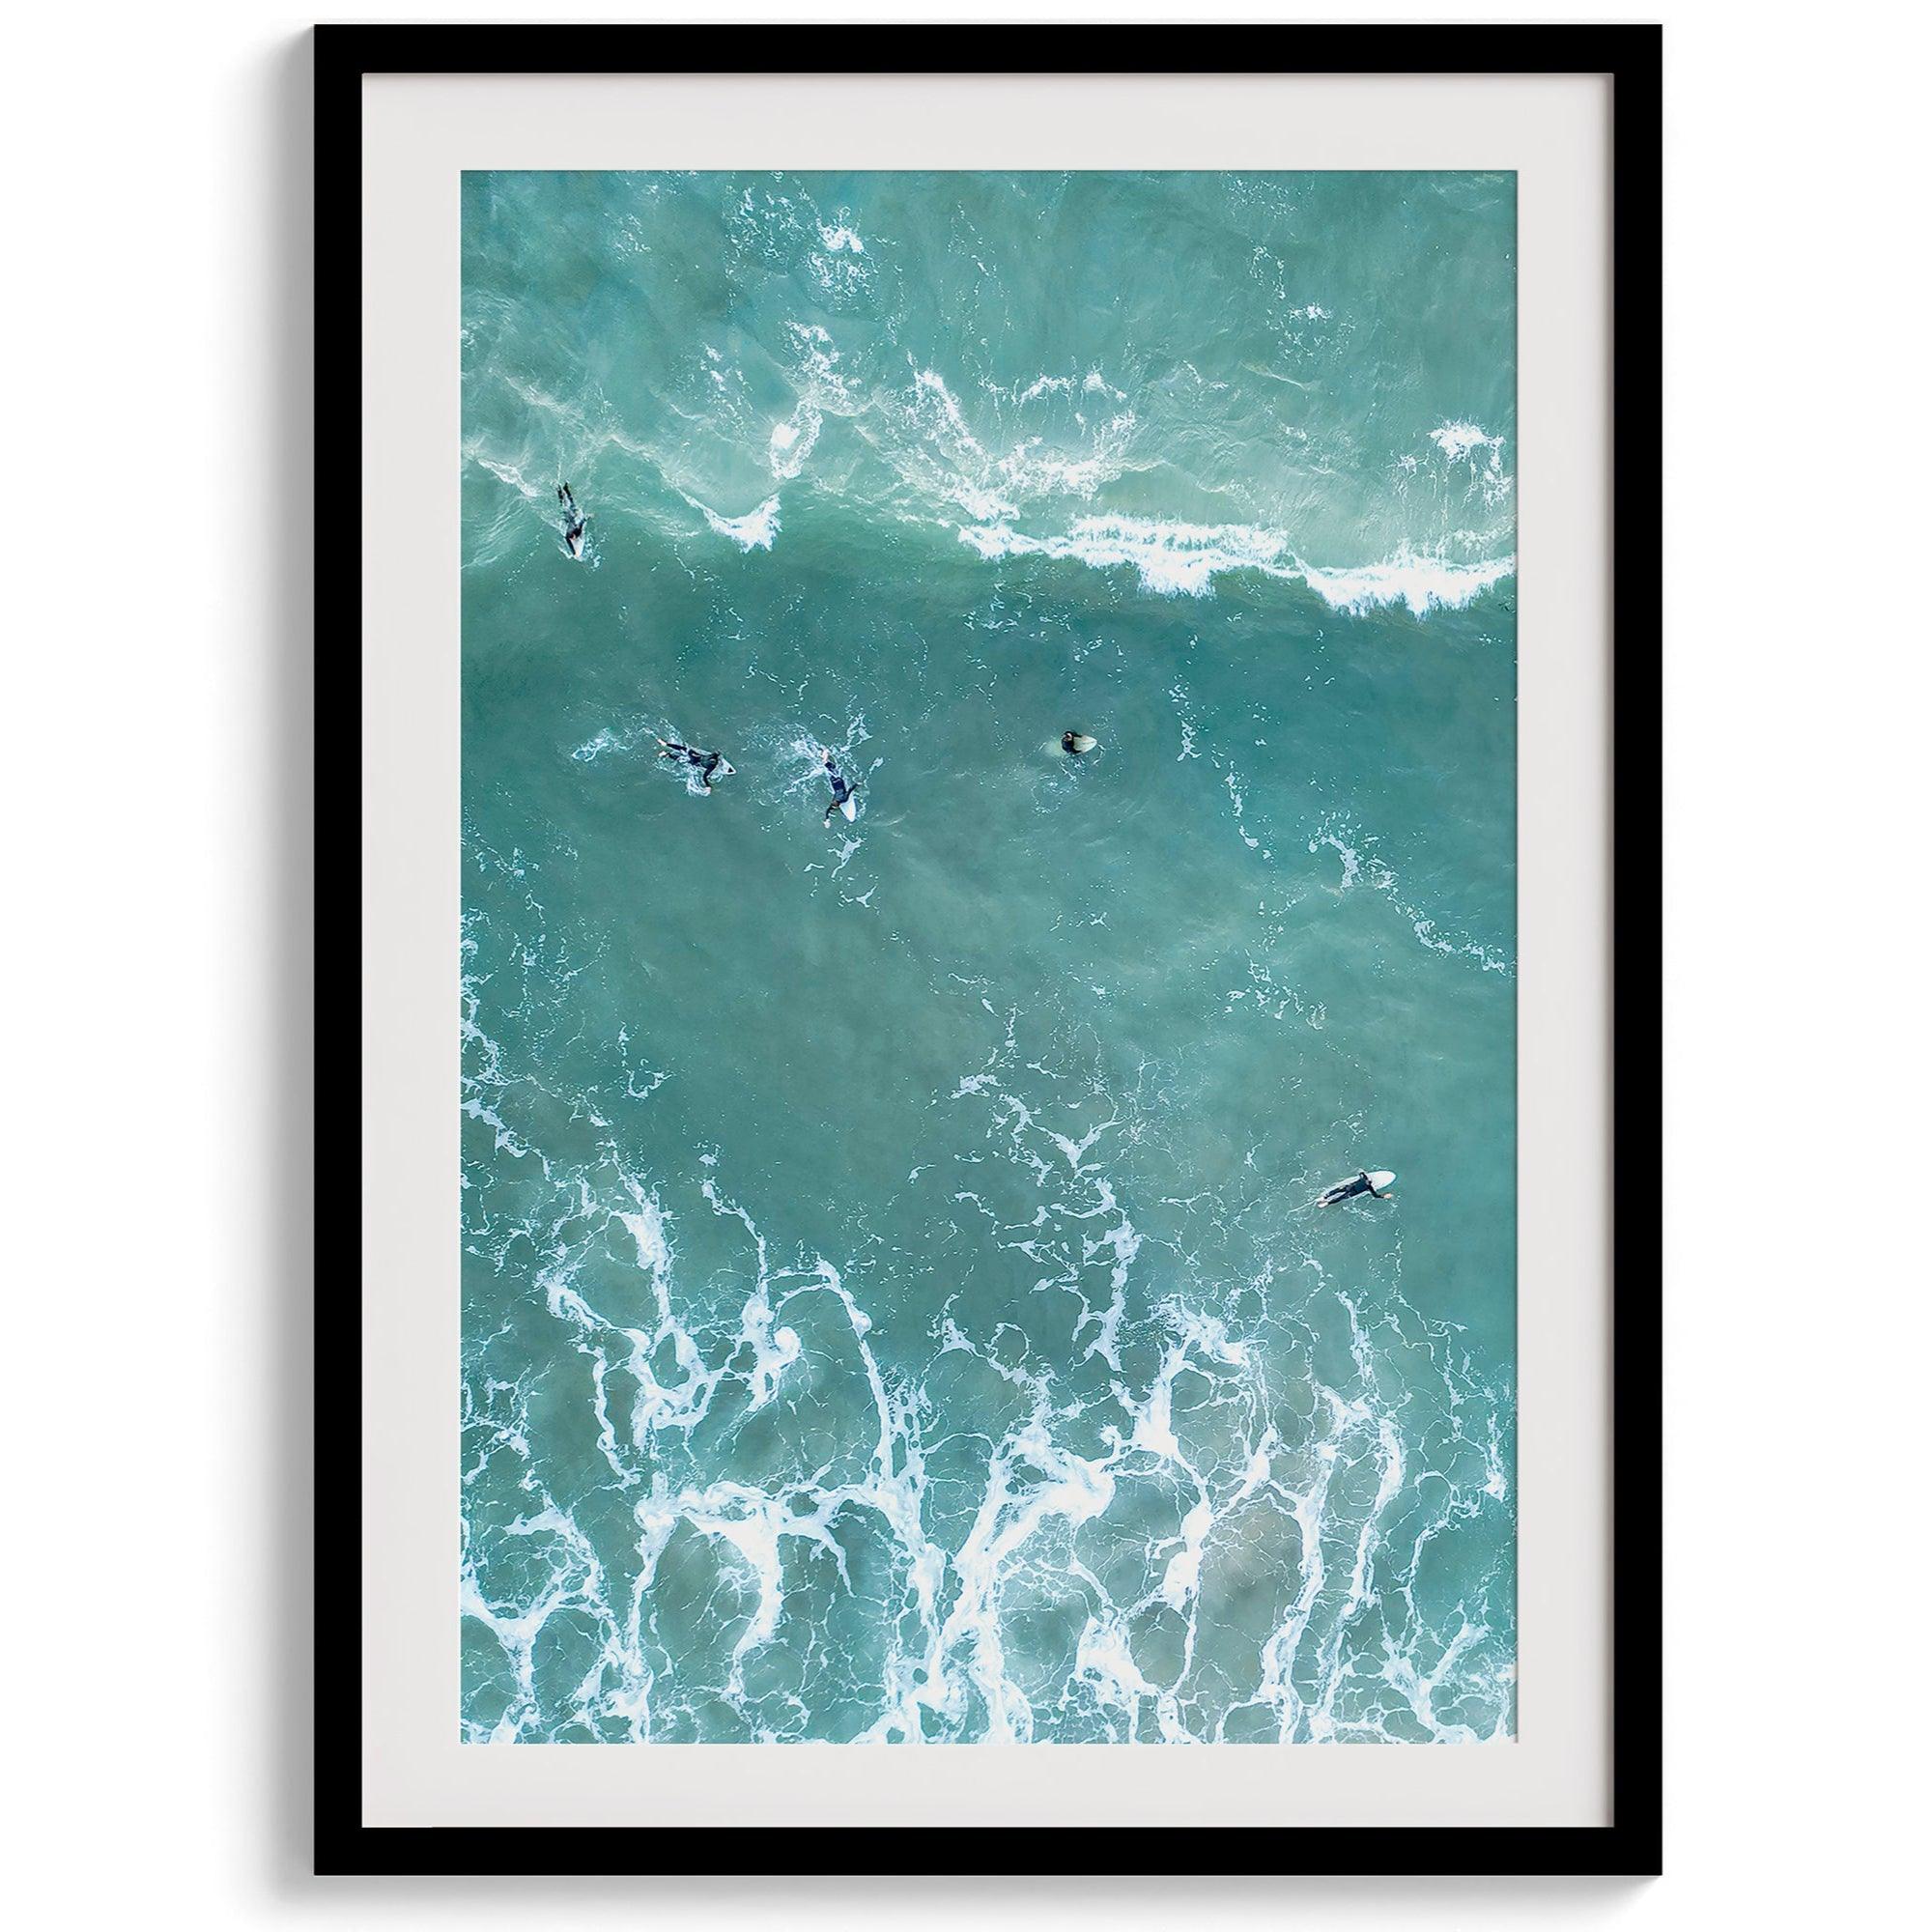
154,762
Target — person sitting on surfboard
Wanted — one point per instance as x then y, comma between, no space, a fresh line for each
1347,1190
842,791
1075,744
573,523
706,762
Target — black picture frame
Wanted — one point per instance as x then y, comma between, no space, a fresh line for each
1631,1844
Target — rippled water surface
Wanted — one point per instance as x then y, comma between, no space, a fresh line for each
895,1305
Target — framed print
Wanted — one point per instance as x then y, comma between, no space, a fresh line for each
993,1190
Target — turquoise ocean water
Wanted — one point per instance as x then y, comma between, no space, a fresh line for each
895,1306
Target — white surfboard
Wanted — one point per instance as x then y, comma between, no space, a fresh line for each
1380,1180
850,808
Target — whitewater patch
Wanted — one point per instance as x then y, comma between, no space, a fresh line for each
1177,559
1472,445
920,431
1092,383
1027,473
1460,441
1424,583
753,530
840,268
821,389
1171,559
923,434
663,1359
792,439
1046,386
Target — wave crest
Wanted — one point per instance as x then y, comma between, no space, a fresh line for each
1179,560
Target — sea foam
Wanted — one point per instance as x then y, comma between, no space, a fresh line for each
1177,559
755,530
1424,583
1459,440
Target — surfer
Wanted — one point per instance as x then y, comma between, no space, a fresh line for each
706,762
1075,744
1347,1191
573,523
843,791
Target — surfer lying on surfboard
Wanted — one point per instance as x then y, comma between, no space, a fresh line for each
1374,1185
573,521
706,762
843,791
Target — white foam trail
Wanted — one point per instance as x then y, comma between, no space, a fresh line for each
792,441
1358,865
1177,559
1171,559
1424,583
606,740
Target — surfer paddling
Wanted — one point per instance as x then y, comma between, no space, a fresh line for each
704,763
1076,744
844,791
1373,1185
573,523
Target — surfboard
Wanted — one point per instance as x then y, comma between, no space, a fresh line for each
1334,1197
850,808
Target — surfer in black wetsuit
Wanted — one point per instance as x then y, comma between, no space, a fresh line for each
841,787
704,762
1347,1190
573,521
